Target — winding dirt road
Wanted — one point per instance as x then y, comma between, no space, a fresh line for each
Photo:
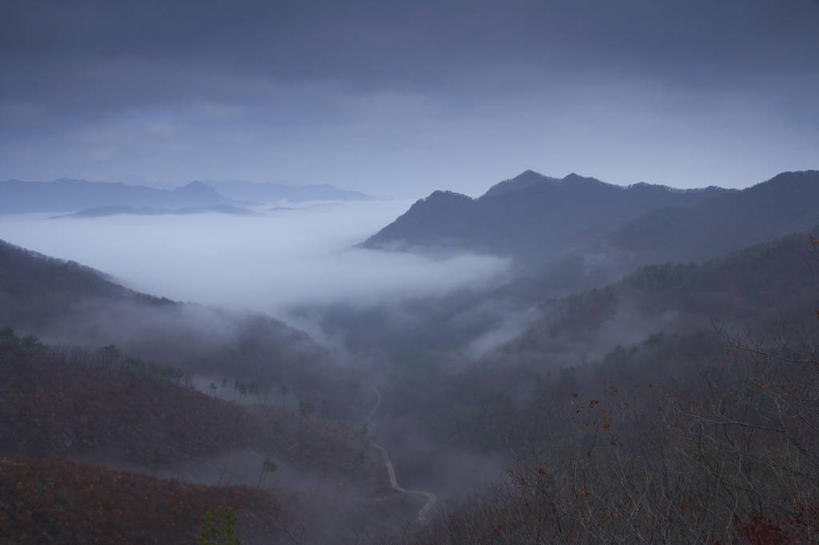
372,412
385,455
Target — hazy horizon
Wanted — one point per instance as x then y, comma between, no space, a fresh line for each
399,100
408,199
553,360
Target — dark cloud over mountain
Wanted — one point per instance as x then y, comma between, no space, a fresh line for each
176,91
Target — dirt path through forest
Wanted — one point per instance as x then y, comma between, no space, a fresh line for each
385,455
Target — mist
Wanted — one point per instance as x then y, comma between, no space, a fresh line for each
270,261
452,273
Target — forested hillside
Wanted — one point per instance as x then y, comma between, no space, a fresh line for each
654,446
764,288
625,426
115,411
682,388
105,406
723,223
660,330
68,304
354,328
48,501
554,374
530,217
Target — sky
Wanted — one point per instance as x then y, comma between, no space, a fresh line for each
400,98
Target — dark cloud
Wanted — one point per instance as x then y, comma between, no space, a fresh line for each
361,44
67,64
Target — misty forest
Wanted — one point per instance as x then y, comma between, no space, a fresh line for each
312,273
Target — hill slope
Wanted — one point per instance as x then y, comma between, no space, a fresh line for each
67,304
678,440
536,218
722,223
531,216
767,291
765,286
106,407
47,501
66,195
270,192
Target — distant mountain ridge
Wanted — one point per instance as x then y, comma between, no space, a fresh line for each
525,179
106,211
786,203
66,195
269,192
530,216
767,286
63,303
70,196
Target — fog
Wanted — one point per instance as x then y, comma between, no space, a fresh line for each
619,350
439,376
269,261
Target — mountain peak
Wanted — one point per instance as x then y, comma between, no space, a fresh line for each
272,192
196,184
198,188
527,178
445,197
574,177
792,177
528,174
69,181
531,216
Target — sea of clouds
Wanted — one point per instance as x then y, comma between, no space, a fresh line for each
271,261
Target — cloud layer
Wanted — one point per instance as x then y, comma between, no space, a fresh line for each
268,262
400,98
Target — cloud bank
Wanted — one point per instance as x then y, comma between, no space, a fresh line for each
396,98
267,262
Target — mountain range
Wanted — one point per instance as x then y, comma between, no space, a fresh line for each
64,303
537,218
105,211
649,336
264,192
529,216
71,196
65,195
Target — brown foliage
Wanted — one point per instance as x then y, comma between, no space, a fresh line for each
727,454
47,501
79,408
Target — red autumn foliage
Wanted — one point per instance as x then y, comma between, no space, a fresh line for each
799,529
61,409
48,501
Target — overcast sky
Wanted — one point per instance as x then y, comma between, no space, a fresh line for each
400,98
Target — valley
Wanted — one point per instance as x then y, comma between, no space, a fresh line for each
451,272
382,422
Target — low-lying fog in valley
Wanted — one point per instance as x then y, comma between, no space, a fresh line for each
536,272
410,385
279,257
